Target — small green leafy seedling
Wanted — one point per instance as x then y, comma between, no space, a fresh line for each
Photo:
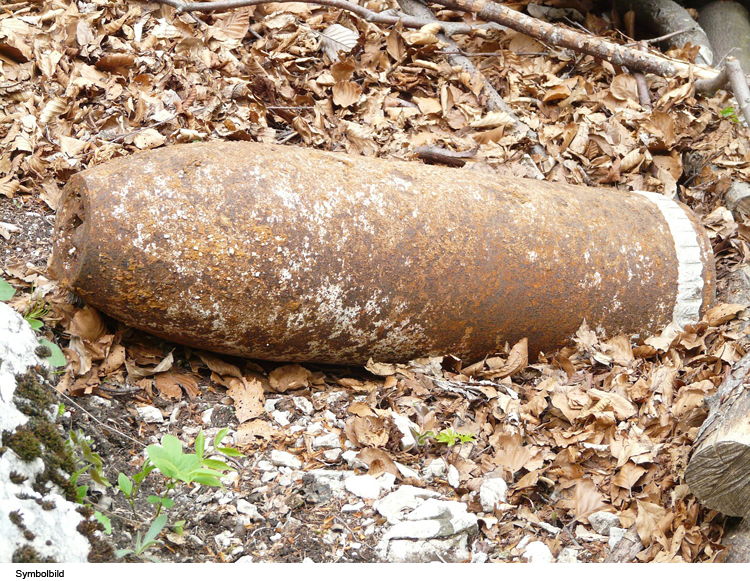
730,113
447,436
175,466
6,290
148,540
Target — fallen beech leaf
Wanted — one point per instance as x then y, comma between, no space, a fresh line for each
722,313
248,432
650,521
518,359
248,398
88,324
218,366
135,372
288,377
338,39
587,500
382,369
167,386
384,462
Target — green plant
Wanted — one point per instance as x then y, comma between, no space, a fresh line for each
176,467
86,461
35,313
730,113
149,539
33,316
447,436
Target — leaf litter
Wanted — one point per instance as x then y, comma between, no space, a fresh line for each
605,423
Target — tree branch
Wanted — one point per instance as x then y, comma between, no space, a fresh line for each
634,59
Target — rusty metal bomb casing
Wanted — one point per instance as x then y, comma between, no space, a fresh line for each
290,254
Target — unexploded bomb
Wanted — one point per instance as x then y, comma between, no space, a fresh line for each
288,254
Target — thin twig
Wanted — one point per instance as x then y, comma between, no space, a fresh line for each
449,28
98,421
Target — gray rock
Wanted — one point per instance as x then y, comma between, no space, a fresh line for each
250,510
435,469
568,555
279,458
364,486
33,525
615,534
405,426
404,498
150,414
538,552
304,405
492,492
328,440
425,528
453,476
448,550
603,521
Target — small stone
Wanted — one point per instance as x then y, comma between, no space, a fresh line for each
282,418
249,509
405,426
405,471
279,458
357,506
245,559
270,405
264,465
329,440
405,497
332,455
97,401
492,492
435,469
453,476
275,537
150,414
304,405
615,534
568,555
603,521
364,486
538,552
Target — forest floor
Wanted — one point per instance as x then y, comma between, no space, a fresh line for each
86,82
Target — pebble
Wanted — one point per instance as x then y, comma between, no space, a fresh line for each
249,509
150,414
602,521
280,458
568,555
435,469
329,440
492,492
538,552
453,476
304,405
332,455
615,534
357,506
281,418
364,486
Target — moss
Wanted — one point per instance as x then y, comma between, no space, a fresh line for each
27,554
39,437
17,519
46,504
101,551
17,478
28,535
23,443
43,351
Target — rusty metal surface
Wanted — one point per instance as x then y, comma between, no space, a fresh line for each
282,253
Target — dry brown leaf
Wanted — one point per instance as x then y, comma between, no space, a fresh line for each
376,455
87,324
651,522
722,313
288,377
168,386
367,431
247,433
518,359
248,398
587,500
219,366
